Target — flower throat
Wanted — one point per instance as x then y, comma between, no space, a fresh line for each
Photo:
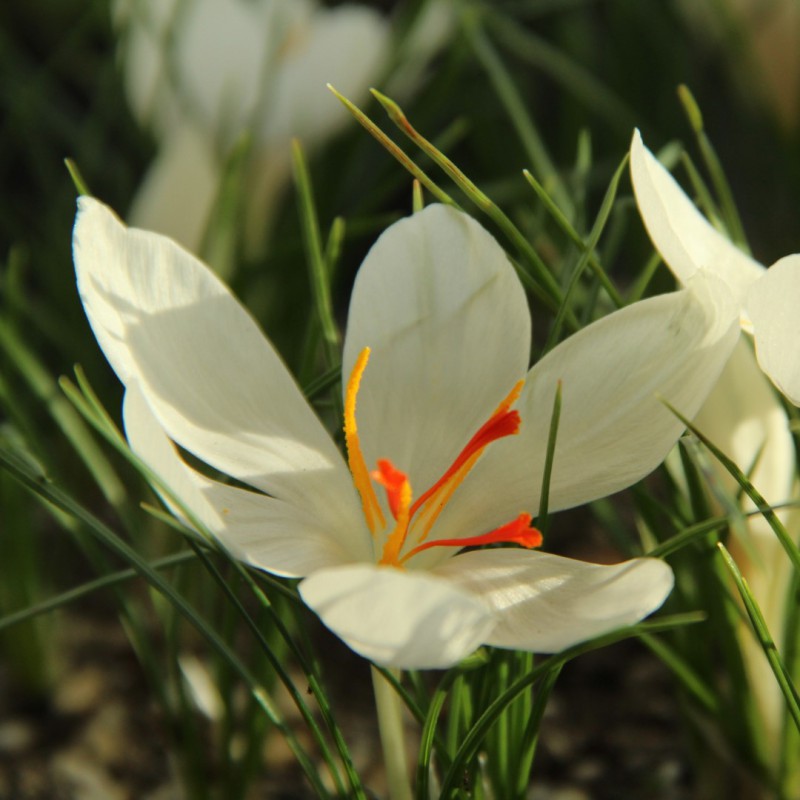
415,518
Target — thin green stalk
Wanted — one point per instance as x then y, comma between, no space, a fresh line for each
644,277
394,150
790,693
509,95
530,738
537,52
46,389
89,405
276,664
417,199
538,268
731,216
687,536
428,735
77,179
573,235
333,245
320,276
544,497
686,675
761,504
76,593
42,488
390,724
583,261
477,733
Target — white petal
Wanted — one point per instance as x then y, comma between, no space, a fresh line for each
614,427
263,531
408,620
446,318
544,603
745,419
686,240
178,192
773,305
145,30
344,46
220,51
217,387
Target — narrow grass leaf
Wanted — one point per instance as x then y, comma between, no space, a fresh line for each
394,150
730,213
555,416
761,504
764,637
585,257
473,738
41,487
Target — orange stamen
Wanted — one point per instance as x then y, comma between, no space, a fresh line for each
393,480
401,489
435,505
518,531
502,423
355,457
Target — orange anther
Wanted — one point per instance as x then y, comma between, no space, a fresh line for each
355,458
518,531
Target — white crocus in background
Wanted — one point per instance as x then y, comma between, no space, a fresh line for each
202,74
743,415
446,432
767,299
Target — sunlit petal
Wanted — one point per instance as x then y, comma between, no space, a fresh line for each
545,603
446,319
409,620
686,240
745,419
772,306
213,381
615,376
268,533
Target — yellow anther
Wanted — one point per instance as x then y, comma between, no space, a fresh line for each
355,458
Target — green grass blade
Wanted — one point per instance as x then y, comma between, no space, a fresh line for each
761,504
784,679
730,213
472,740
42,488
318,265
585,257
503,83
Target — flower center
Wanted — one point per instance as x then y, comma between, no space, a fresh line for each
416,518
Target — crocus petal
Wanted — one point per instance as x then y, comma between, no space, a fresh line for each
745,419
772,306
178,192
615,376
145,28
686,240
408,620
544,603
268,533
344,46
215,384
446,319
222,49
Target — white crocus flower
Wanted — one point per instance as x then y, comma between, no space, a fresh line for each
742,416
768,299
201,74
445,425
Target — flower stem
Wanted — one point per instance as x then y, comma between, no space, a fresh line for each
390,724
